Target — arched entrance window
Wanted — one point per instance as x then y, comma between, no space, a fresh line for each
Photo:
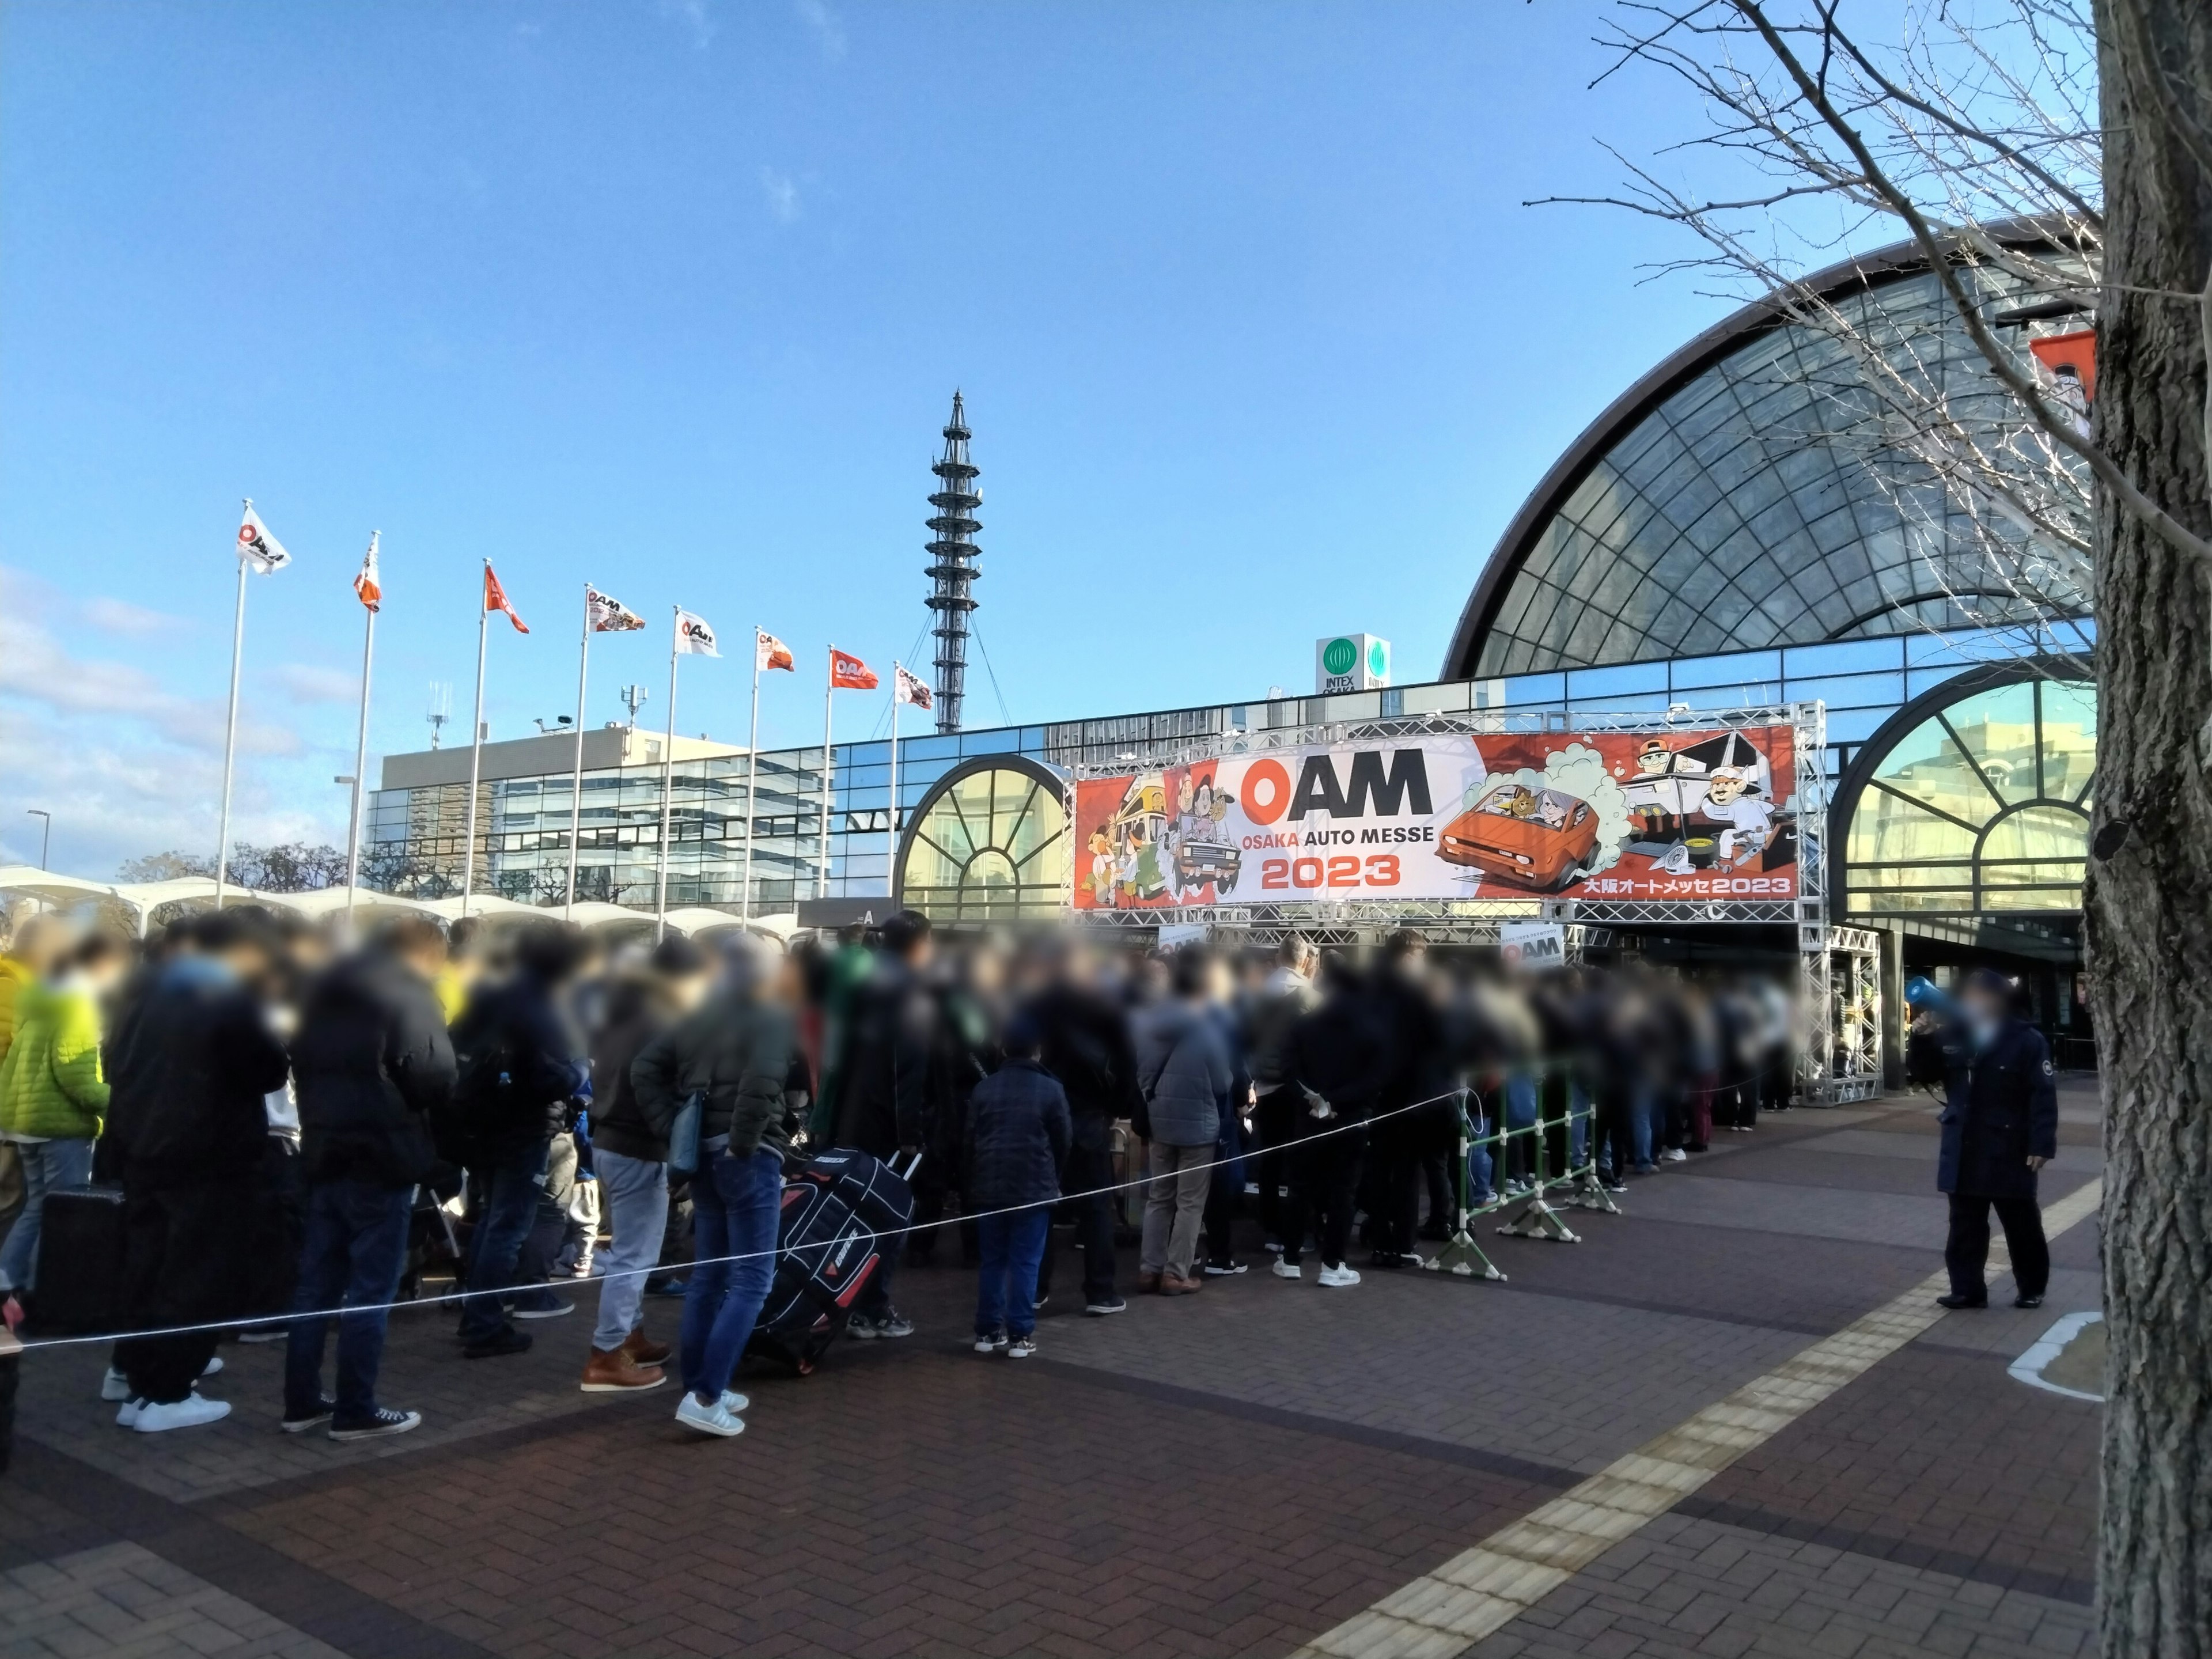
1975,800
988,843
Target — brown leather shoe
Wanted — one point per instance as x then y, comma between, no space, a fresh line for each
1147,1282
610,1371
643,1350
1173,1284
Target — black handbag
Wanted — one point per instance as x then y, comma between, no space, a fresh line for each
683,1134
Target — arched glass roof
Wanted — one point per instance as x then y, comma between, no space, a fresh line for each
1751,494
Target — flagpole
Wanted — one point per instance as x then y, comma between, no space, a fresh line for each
475,743
752,787
576,783
230,730
890,860
667,779
829,693
361,750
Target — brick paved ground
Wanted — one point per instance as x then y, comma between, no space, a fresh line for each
1232,1473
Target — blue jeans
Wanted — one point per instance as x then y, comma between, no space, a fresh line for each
635,1194
1480,1163
1578,1125
1642,1113
736,1204
511,1175
354,1251
49,1166
1005,1290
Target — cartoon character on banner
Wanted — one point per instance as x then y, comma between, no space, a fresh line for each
1731,798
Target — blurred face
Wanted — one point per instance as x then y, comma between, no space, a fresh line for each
1981,1006
688,991
424,960
786,985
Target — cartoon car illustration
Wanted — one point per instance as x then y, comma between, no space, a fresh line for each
1137,825
1540,839
1198,862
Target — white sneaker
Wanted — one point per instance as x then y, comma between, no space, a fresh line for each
1336,1277
1021,1348
1675,1155
126,1415
990,1343
707,1419
187,1414
1286,1270
114,1387
214,1365
733,1402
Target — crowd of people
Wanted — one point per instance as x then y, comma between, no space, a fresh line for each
297,1128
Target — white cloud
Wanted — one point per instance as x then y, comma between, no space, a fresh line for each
125,765
829,28
309,682
121,617
782,191
694,16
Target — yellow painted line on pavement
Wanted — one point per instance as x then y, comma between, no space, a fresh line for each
1477,1591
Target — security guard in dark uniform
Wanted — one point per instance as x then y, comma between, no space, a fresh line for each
2000,1126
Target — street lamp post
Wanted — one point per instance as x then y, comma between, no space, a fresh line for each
46,830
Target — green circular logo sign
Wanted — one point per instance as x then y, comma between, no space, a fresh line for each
1378,659
1339,656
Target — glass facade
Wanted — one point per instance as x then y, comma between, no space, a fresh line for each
993,847
1984,806
413,836
1769,502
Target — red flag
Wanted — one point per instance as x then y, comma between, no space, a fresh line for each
496,599
2076,351
848,673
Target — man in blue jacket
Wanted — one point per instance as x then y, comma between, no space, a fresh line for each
2000,1126
1019,1134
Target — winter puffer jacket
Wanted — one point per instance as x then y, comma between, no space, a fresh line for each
51,1082
372,1066
189,1068
735,1052
1019,1134
1183,1066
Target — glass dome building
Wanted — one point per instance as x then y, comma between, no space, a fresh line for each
1755,491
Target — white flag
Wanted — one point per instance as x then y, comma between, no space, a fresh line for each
695,637
367,584
608,614
908,688
258,548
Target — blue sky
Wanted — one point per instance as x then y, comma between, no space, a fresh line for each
671,294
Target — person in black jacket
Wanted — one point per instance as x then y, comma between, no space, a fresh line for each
371,1065
519,1075
629,1155
2000,1124
1086,1045
1341,1063
189,1065
883,1096
735,1054
1019,1134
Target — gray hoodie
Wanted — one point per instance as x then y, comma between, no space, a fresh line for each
1182,1064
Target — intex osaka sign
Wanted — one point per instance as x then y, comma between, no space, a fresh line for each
1350,662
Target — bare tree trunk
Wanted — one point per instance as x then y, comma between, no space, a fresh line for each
2150,881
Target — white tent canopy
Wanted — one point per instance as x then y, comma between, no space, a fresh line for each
143,898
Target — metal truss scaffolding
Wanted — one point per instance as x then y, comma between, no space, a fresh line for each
1838,980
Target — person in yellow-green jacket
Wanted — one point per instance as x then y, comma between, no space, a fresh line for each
28,959
53,1095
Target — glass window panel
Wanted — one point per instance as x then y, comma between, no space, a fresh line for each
2039,832
2069,736
1927,766
1998,729
1886,830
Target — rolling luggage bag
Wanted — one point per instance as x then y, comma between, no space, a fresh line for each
843,1213
81,1262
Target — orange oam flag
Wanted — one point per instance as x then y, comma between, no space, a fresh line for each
2076,351
496,599
848,673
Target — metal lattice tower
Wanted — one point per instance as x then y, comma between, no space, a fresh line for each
953,567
